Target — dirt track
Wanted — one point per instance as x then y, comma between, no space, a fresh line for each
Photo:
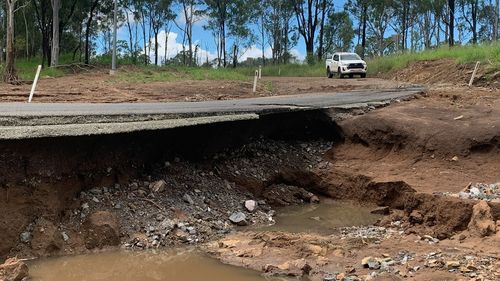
98,86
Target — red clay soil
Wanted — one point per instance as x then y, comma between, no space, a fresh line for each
97,86
435,144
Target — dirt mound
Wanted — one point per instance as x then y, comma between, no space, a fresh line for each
427,130
482,223
430,72
101,230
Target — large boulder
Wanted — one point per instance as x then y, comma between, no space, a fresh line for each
482,223
13,270
101,230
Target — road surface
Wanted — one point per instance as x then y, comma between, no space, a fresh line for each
23,120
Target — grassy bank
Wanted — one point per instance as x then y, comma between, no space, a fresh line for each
488,54
485,53
156,74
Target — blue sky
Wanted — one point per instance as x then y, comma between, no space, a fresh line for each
207,43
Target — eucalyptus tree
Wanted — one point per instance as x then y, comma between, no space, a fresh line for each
190,13
339,32
308,15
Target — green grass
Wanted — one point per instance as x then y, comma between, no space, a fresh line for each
286,70
488,54
158,74
485,53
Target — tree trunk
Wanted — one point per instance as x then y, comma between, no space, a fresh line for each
87,31
451,6
363,38
27,35
146,59
495,24
56,6
156,47
10,70
321,31
474,8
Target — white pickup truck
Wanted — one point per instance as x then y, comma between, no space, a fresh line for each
343,64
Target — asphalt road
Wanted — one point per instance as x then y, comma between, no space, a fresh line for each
23,120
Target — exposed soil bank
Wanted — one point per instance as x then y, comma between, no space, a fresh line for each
405,158
190,186
42,180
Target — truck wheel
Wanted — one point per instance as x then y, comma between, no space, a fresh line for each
363,75
329,74
339,73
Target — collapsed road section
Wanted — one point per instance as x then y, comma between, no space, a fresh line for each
21,121
190,185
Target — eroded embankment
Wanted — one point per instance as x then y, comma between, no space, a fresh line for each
52,190
190,185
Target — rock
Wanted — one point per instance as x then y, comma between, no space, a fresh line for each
25,237
381,211
314,199
65,236
482,223
314,249
101,229
370,262
188,199
158,186
454,159
416,217
452,264
238,218
251,205
329,277
13,270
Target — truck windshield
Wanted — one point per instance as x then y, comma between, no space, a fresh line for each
350,57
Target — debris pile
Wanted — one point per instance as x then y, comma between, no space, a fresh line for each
479,191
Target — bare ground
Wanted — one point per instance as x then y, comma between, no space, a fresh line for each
97,86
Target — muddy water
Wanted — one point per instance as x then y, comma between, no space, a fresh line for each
143,266
191,265
323,218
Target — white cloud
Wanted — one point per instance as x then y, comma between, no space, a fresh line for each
296,53
174,48
256,52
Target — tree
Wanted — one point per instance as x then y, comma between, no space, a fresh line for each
307,13
451,23
56,6
470,10
339,33
159,12
359,10
495,23
326,7
379,14
190,16
280,33
229,18
10,75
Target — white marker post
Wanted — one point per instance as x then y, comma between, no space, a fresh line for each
255,81
35,82
473,74
260,72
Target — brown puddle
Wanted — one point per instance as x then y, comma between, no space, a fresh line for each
192,265
143,266
323,218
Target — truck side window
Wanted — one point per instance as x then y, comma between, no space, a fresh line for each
336,57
